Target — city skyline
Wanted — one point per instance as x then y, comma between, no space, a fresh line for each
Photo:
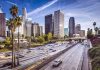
85,12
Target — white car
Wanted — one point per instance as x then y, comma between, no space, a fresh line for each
57,63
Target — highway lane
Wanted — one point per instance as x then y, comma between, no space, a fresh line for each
39,53
46,53
70,59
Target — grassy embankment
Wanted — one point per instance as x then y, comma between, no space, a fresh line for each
94,54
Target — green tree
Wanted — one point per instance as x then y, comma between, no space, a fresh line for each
65,36
96,30
94,24
7,42
41,39
89,33
99,31
29,41
49,36
12,24
45,37
18,24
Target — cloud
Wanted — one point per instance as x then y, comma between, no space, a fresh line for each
42,7
11,3
84,11
1,11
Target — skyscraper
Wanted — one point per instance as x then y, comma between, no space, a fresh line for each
41,30
71,26
24,13
28,25
35,29
58,24
22,28
77,29
49,26
2,24
82,33
65,31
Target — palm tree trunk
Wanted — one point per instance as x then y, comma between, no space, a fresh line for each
18,49
94,31
12,51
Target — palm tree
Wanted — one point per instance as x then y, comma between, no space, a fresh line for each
94,24
14,11
96,30
18,24
12,24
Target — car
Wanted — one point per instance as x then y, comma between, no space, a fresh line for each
53,50
8,54
57,63
50,49
20,56
28,51
82,43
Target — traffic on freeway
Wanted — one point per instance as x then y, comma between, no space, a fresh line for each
31,55
70,60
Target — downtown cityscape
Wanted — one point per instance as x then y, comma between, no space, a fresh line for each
49,35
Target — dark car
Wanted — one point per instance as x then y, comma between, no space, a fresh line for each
8,54
20,56
53,50
57,63
82,43
28,51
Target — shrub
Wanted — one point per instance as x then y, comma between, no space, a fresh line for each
94,52
96,63
41,39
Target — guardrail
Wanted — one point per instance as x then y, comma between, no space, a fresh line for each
44,61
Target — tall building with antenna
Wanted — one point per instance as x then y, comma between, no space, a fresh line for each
22,28
24,14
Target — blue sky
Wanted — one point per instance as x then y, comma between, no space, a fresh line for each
84,11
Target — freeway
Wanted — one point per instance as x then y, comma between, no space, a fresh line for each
46,51
38,53
70,59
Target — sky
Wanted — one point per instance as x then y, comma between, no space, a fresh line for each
85,12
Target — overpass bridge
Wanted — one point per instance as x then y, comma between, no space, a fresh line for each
80,39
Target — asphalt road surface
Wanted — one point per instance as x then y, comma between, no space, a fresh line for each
70,59
38,53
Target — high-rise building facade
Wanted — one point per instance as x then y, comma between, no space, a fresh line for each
24,14
77,29
35,29
58,24
71,26
65,31
41,30
28,25
22,27
49,26
2,24
82,33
